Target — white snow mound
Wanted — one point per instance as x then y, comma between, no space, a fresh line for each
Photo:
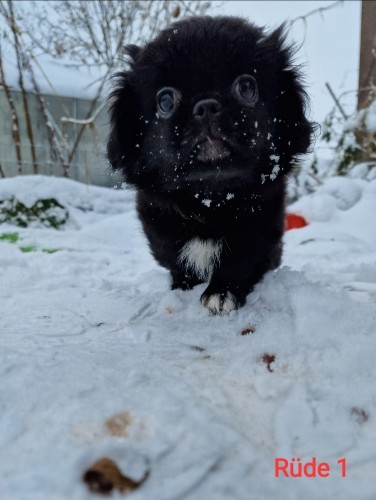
91,335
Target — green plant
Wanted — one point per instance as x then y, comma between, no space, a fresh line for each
45,212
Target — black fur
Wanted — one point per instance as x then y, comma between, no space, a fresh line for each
234,191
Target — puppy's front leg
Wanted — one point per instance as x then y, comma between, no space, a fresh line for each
223,296
221,302
236,276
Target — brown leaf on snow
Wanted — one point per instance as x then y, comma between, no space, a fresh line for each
118,424
247,330
268,359
104,476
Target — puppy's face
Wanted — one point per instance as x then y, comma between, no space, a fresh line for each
212,104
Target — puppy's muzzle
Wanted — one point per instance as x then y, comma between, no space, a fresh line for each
211,149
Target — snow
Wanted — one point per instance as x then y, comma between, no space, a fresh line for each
344,191
93,331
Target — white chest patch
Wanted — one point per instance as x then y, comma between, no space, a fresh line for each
200,256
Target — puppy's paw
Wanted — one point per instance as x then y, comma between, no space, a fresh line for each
220,303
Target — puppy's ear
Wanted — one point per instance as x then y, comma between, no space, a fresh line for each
125,112
291,100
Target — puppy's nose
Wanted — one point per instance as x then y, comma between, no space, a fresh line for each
207,108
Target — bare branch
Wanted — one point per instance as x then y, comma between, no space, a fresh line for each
15,122
53,140
20,56
87,121
338,104
319,10
2,174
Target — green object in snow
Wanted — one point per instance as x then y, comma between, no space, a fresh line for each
10,237
15,237
45,212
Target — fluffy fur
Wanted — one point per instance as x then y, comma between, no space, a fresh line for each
206,124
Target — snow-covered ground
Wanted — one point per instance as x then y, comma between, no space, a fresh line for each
98,358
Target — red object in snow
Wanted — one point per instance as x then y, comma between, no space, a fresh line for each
294,221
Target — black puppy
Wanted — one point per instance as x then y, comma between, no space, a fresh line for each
206,124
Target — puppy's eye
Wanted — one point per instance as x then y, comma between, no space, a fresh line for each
168,99
245,89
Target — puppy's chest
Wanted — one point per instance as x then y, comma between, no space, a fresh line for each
201,256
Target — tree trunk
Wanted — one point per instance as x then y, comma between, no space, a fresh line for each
367,59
